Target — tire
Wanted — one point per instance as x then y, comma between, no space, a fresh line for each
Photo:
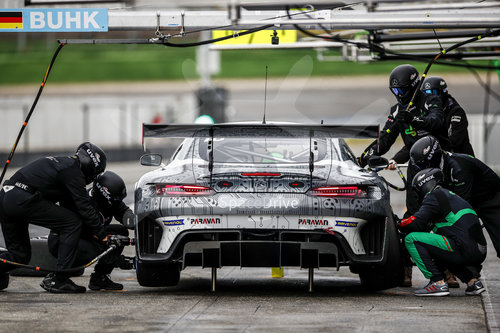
391,273
158,275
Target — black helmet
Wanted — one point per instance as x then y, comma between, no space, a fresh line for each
92,160
403,82
434,85
426,180
426,153
109,187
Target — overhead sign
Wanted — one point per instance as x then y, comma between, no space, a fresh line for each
259,37
54,20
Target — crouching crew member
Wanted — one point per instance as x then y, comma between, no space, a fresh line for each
30,197
107,193
469,178
457,242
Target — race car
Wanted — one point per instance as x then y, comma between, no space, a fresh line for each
263,195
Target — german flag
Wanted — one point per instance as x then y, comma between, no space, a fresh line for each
11,20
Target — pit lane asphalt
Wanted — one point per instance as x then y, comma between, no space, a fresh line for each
247,300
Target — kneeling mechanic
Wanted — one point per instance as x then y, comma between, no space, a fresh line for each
456,243
107,194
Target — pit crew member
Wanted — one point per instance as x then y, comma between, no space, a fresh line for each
424,116
107,193
30,197
457,241
468,177
455,117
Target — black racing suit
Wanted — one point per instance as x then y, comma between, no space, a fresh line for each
88,246
457,242
30,196
480,186
429,110
456,123
458,135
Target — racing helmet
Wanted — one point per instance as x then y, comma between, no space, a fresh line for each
403,81
426,153
426,180
92,160
434,85
109,188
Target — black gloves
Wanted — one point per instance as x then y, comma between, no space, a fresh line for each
365,157
118,240
128,219
404,116
407,117
417,122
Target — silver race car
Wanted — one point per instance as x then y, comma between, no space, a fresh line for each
263,195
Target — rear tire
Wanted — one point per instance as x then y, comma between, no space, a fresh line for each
391,273
158,275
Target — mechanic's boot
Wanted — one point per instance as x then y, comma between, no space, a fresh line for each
433,289
103,282
475,288
451,280
407,278
4,280
125,262
61,285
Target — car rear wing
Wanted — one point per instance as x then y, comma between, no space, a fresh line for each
265,130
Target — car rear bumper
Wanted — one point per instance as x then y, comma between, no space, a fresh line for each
268,248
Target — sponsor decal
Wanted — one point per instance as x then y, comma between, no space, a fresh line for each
347,224
205,220
53,19
456,119
410,131
263,203
313,222
11,20
104,191
96,158
422,182
433,151
21,185
173,222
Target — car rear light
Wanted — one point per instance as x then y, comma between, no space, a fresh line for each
261,174
170,189
339,191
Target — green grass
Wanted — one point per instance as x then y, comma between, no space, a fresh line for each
91,63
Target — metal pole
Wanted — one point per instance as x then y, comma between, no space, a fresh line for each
175,21
86,122
214,278
311,279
